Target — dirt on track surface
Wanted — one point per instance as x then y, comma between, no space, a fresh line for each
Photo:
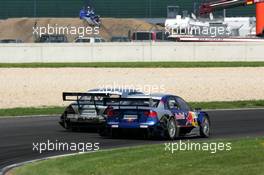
44,86
22,28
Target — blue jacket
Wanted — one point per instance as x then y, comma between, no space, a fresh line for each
82,14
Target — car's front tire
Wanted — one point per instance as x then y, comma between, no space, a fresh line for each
205,127
172,129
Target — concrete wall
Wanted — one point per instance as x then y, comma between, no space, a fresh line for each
111,52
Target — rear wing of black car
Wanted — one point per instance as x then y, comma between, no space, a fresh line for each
83,99
68,96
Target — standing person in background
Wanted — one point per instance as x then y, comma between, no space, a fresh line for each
82,13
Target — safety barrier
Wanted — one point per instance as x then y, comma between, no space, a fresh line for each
127,52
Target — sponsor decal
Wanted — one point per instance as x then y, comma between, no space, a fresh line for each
130,120
192,119
179,116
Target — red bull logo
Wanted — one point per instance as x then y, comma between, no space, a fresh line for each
192,119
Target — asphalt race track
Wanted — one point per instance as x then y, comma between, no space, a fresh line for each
18,134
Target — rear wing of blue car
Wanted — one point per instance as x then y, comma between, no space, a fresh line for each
130,102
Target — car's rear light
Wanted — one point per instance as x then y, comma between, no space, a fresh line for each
151,114
146,113
112,113
109,108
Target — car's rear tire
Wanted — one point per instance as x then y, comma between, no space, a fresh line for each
205,127
172,129
66,123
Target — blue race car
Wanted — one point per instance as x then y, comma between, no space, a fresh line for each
158,114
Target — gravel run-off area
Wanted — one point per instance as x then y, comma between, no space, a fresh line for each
35,87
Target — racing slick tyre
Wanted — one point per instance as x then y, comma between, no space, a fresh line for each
205,129
173,131
66,123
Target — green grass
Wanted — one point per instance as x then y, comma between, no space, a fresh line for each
31,111
134,64
246,157
203,105
228,105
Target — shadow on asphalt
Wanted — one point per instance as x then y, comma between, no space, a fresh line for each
128,135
